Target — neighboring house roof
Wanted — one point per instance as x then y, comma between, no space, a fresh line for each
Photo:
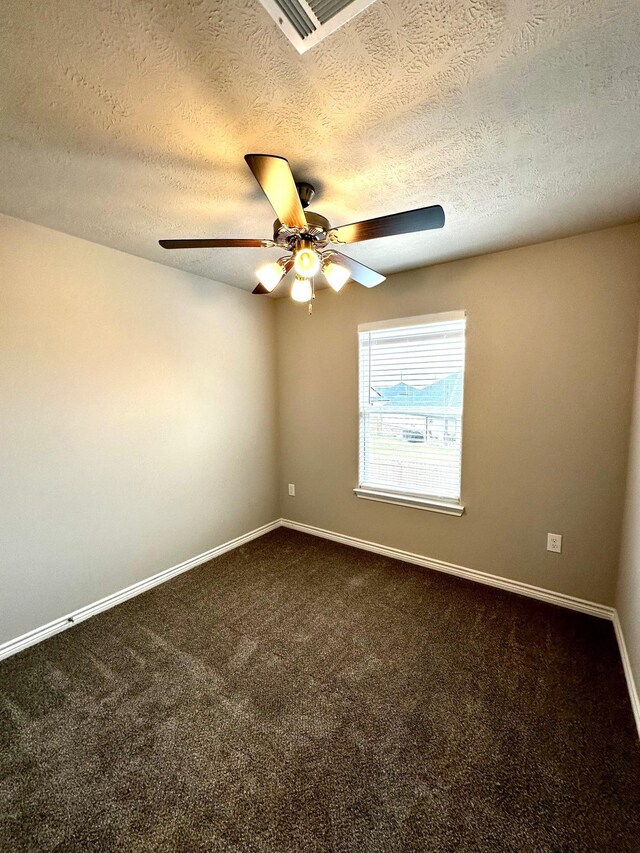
445,393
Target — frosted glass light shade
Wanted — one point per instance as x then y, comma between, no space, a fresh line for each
336,275
269,275
301,289
306,261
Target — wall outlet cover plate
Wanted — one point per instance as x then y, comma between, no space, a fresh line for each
554,542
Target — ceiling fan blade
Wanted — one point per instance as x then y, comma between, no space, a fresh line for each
274,176
213,244
422,219
359,273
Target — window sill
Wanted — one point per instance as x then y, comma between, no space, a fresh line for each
412,501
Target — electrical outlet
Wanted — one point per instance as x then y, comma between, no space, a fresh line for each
554,542
292,489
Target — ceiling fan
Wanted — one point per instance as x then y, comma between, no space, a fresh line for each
308,238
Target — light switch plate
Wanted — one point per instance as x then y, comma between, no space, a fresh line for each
292,489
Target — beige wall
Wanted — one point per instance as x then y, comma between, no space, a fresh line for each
138,417
628,592
551,344
137,411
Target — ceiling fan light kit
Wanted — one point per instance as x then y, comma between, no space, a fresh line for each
308,237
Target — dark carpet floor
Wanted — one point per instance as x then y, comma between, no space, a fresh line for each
298,695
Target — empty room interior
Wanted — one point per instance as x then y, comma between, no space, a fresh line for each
320,426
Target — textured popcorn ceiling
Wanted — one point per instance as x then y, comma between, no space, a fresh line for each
126,121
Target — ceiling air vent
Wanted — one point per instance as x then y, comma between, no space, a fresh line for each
306,22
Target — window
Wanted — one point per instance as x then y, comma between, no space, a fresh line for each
411,390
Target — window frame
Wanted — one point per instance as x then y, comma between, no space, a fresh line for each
399,497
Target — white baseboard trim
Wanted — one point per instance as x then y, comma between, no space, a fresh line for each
519,587
12,647
628,672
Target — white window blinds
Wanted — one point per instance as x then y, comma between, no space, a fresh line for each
411,391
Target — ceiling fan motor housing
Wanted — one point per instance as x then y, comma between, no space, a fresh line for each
317,228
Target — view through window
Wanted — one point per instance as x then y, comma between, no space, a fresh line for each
411,392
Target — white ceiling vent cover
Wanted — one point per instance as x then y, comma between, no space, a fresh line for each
307,22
